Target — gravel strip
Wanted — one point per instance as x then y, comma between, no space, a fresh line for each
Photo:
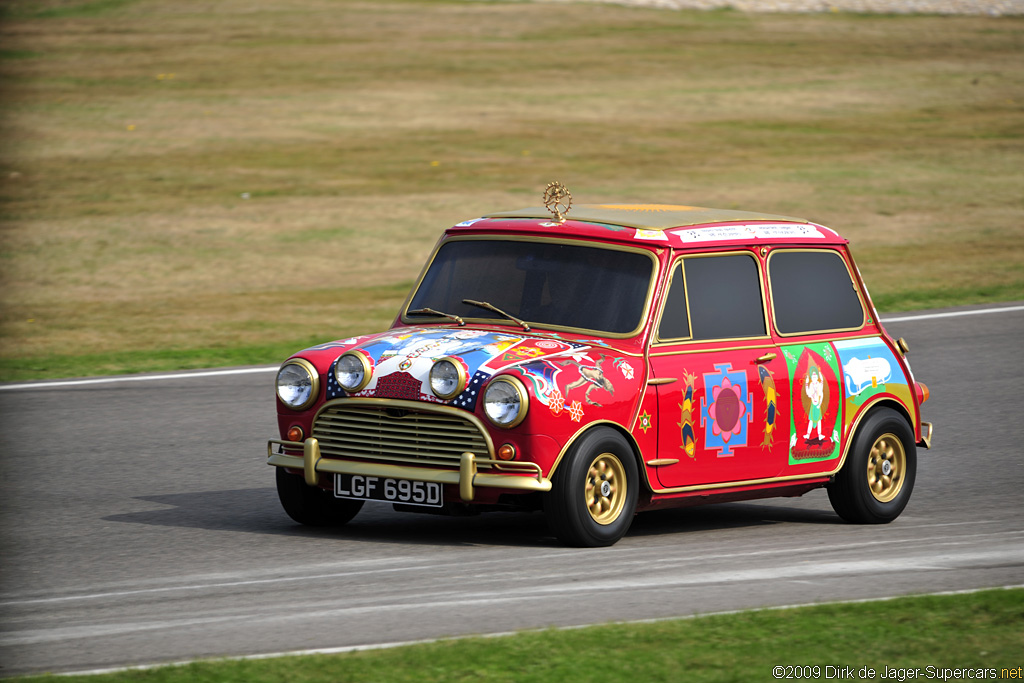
992,8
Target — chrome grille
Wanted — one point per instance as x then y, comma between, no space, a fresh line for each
399,434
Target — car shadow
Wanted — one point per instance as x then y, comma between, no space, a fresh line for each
258,511
721,516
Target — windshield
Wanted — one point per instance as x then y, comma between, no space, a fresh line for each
544,283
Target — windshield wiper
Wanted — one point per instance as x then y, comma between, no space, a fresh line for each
431,311
492,307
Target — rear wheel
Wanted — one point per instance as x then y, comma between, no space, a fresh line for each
878,476
593,496
311,505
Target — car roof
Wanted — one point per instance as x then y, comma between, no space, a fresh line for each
655,224
648,216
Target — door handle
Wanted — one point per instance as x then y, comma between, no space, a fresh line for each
765,358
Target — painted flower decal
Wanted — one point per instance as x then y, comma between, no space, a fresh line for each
645,421
556,402
576,411
627,369
726,409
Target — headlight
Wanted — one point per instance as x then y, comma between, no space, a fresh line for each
447,378
352,371
298,384
505,402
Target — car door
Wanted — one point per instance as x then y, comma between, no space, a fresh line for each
721,380
834,366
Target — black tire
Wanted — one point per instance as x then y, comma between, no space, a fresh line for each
878,476
594,493
311,505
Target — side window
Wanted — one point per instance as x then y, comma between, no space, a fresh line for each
812,292
674,322
724,297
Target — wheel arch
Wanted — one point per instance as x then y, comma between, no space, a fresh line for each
615,426
862,415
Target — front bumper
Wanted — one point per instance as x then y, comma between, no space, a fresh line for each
523,477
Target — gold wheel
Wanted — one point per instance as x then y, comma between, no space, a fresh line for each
887,466
605,488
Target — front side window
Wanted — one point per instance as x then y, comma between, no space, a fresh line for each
812,291
547,284
675,322
724,296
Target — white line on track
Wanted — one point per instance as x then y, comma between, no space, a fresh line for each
137,378
505,634
375,568
952,314
271,368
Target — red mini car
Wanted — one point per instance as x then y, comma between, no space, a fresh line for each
601,360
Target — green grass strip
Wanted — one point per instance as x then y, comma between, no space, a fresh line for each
134,362
981,632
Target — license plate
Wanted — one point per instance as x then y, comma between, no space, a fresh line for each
362,487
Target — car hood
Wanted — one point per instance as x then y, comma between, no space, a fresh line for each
401,360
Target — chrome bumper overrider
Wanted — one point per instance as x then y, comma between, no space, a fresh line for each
467,477
926,434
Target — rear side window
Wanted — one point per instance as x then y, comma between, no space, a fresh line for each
724,294
812,291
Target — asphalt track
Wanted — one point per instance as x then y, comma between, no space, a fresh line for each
140,525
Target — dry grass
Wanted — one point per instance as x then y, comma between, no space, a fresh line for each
359,130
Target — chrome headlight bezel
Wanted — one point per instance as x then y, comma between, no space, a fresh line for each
513,393
461,377
365,372
308,379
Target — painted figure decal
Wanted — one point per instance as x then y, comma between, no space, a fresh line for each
814,394
589,375
816,414
725,418
557,381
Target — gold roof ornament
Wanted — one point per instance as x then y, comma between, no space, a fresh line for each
557,199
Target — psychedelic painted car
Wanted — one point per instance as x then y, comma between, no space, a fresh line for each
599,364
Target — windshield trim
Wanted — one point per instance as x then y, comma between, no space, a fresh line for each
537,326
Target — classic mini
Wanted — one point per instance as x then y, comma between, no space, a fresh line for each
600,360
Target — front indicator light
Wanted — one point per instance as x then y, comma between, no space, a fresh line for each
352,371
505,402
295,433
507,452
298,384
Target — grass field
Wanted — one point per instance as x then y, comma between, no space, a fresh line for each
189,184
981,632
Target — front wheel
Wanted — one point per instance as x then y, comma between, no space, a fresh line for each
594,493
878,476
311,505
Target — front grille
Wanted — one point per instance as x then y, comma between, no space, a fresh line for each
397,433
